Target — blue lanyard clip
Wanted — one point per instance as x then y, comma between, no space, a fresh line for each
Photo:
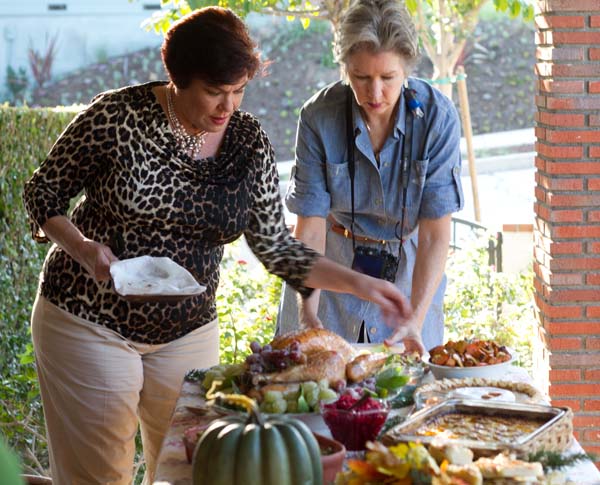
413,103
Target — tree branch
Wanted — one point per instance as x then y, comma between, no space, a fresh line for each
317,13
423,29
30,429
31,456
455,54
467,26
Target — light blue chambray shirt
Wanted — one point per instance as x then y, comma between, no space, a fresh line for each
320,186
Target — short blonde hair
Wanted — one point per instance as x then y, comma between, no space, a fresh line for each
377,25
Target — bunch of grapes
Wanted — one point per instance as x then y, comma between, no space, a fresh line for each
274,403
304,400
370,384
266,359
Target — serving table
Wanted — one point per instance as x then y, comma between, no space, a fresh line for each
174,469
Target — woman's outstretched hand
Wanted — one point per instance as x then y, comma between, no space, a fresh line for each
309,319
396,309
397,313
410,334
394,305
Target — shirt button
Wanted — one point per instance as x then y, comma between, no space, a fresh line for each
456,170
377,201
386,164
373,330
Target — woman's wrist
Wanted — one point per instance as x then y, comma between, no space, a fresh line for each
362,285
77,246
66,235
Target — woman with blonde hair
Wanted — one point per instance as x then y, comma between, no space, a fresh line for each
376,180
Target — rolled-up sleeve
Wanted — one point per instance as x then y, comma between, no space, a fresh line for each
69,166
442,193
267,234
307,193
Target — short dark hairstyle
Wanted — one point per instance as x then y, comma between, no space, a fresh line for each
211,44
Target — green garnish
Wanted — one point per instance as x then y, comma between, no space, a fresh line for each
553,460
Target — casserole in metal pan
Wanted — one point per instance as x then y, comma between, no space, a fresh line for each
488,427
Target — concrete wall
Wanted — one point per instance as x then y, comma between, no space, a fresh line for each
86,30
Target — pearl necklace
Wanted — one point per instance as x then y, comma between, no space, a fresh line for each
192,144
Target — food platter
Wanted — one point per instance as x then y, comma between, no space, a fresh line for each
313,420
493,367
151,279
489,371
487,393
472,388
488,427
317,377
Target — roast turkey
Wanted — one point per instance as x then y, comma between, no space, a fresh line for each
328,357
365,365
320,365
316,339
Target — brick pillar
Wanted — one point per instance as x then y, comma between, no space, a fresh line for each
567,207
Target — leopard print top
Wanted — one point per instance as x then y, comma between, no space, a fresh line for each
138,187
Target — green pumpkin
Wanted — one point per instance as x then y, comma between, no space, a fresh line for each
254,449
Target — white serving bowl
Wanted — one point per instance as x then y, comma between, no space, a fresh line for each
494,371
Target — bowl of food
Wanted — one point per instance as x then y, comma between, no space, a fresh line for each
470,358
190,439
332,457
354,420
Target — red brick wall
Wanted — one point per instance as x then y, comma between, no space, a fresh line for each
567,229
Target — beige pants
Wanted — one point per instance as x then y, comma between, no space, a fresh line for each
95,385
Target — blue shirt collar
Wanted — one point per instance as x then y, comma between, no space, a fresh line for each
400,116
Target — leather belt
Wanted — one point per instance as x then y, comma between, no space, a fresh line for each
339,229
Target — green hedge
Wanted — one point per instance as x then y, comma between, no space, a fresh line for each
483,303
27,135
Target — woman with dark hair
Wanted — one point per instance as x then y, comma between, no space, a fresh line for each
376,180
166,169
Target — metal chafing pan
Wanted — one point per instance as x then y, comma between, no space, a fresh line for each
548,417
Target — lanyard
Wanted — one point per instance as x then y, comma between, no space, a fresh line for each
406,160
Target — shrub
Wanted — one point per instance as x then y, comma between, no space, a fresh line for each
16,82
26,138
247,302
481,302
